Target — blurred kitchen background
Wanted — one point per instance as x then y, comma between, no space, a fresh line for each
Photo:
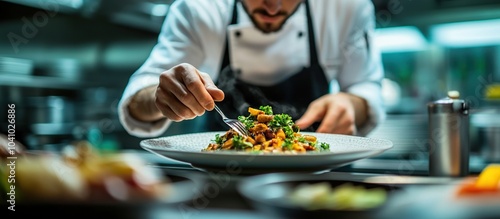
64,63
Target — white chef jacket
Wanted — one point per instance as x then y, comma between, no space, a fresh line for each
194,32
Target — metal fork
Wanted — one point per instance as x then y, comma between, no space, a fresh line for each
235,124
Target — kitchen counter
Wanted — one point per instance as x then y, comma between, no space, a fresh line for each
225,202
420,197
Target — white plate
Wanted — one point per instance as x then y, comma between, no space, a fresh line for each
343,150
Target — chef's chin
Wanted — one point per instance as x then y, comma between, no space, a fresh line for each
269,28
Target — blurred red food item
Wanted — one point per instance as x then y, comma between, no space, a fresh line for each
488,182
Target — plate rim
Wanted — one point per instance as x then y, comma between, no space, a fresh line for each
143,143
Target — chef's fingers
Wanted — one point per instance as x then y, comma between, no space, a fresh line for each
168,112
193,81
339,120
184,82
174,94
171,107
315,112
331,119
216,93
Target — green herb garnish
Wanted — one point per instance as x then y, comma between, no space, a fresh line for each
248,121
301,139
240,143
288,144
268,110
219,139
284,122
281,121
324,146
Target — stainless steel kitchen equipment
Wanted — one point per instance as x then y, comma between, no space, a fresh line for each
449,134
50,109
16,66
486,123
50,120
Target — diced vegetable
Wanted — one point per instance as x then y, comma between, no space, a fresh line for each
273,133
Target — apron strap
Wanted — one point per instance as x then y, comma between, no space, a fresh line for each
234,20
313,54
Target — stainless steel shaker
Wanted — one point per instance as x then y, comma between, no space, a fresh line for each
449,135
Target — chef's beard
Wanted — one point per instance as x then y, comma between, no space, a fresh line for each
268,27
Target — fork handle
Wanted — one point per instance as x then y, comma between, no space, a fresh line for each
220,112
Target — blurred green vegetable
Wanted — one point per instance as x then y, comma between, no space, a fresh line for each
344,197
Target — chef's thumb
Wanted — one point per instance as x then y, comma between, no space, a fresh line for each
216,93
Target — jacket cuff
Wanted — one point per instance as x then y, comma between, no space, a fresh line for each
376,114
135,127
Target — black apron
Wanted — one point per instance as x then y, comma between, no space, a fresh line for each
291,96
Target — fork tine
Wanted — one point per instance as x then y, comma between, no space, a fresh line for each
244,131
233,123
239,128
236,124
236,129
240,125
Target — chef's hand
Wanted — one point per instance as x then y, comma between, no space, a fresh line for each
183,93
339,114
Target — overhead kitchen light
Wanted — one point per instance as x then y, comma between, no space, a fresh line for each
400,39
467,34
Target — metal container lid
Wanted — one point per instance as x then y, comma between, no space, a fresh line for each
450,104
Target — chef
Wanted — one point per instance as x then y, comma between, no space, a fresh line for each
311,59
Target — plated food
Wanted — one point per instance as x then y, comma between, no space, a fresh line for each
268,133
191,148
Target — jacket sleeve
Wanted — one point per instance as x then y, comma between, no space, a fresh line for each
362,70
177,43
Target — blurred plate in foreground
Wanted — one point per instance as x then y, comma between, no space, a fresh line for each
290,195
182,192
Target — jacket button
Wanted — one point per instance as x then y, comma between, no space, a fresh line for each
237,33
301,34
